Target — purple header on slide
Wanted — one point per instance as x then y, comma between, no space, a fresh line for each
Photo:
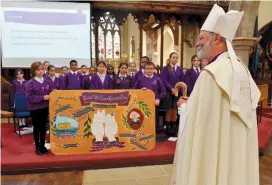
45,18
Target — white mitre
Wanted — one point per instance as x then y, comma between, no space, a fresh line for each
226,25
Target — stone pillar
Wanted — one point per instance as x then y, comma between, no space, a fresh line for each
243,46
244,40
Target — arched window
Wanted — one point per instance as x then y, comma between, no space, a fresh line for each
108,38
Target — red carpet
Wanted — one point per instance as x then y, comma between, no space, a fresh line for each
264,133
18,154
267,112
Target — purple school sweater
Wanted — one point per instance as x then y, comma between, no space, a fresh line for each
17,88
73,81
96,82
155,84
35,92
62,82
170,79
190,79
52,84
120,82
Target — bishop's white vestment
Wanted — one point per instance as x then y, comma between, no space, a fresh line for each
217,146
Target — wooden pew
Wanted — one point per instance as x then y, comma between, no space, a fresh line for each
6,114
5,90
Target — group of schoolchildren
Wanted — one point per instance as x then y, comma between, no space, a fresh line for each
44,81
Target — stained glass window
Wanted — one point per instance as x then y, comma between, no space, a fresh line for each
101,42
116,42
109,45
108,37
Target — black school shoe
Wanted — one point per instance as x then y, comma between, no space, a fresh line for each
43,150
38,151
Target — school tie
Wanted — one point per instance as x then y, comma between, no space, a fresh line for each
132,74
197,71
174,70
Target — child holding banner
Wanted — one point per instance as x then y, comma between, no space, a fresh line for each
37,93
154,83
101,80
122,80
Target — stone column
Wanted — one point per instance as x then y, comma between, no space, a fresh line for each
243,46
244,40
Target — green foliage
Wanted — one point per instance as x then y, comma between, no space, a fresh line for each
125,121
87,130
53,128
144,107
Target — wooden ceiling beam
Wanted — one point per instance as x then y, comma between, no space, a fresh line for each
168,7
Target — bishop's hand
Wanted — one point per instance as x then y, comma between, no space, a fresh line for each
182,100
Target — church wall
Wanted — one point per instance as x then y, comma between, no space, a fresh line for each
179,44
189,46
158,53
264,15
168,44
144,44
124,39
149,48
133,30
188,53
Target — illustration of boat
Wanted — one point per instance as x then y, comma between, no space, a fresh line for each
65,127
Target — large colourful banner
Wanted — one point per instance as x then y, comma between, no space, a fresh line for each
102,121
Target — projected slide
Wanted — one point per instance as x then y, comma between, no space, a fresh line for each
39,31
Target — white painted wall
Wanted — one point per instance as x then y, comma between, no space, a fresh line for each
264,15
144,44
168,41
133,30
149,48
158,53
192,33
130,28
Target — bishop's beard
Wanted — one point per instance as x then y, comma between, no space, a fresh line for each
204,52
